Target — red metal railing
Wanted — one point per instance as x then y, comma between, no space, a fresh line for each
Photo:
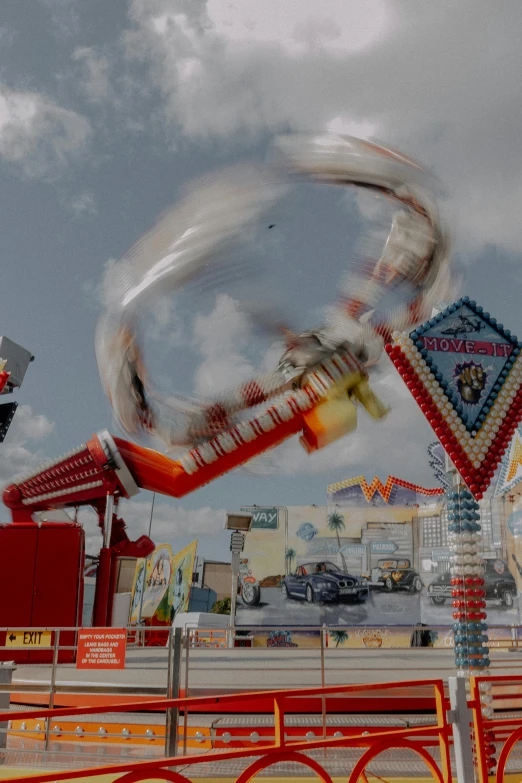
419,739
496,732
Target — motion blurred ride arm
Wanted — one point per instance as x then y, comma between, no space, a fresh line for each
113,466
107,466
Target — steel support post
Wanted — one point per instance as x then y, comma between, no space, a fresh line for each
174,675
233,597
101,610
461,718
52,688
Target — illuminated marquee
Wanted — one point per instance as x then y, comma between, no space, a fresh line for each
465,371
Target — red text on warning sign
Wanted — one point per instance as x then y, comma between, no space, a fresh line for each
101,648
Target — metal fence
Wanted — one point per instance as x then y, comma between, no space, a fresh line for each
496,704
315,656
197,665
430,743
472,734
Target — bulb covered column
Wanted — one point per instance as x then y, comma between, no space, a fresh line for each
467,581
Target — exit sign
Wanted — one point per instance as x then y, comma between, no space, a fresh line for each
29,638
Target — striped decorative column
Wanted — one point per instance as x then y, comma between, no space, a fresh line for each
467,581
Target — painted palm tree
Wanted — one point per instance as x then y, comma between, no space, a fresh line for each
289,556
336,525
339,637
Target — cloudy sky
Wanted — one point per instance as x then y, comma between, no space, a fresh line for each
107,109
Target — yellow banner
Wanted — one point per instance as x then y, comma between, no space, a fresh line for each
162,584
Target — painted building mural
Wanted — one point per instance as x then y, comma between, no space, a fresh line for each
375,556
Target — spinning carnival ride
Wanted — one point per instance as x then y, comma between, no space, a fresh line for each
322,376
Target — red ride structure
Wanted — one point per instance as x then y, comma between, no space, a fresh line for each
47,577
315,392
46,574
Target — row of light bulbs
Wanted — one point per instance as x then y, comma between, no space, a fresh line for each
463,510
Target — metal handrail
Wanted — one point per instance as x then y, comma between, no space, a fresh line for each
281,747
131,629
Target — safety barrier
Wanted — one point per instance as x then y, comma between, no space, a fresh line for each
430,743
201,637
491,716
496,704
316,657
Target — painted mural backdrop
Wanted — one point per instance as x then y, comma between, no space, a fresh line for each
168,579
376,556
137,591
157,579
177,598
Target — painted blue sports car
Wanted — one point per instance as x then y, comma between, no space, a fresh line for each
323,582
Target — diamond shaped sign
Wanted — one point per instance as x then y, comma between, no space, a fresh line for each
465,370
511,465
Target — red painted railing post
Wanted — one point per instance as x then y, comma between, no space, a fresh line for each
279,724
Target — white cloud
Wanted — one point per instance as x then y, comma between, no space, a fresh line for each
220,337
17,453
95,81
332,26
348,126
82,204
64,17
93,544
36,134
169,522
439,80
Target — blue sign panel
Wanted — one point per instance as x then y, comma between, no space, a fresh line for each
354,549
470,355
264,518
